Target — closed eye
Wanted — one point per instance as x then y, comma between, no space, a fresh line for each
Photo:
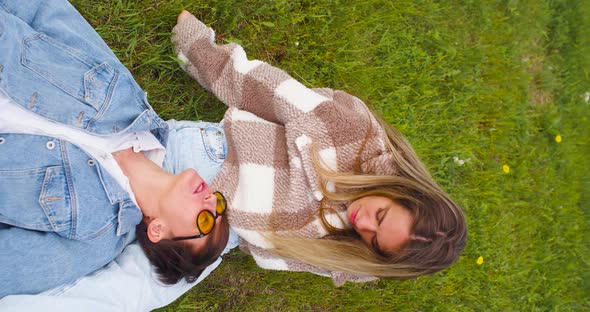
381,215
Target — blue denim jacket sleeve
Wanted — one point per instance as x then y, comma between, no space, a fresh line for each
63,71
43,261
61,21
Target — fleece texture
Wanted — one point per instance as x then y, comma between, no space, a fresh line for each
273,125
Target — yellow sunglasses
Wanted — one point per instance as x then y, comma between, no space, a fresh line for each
206,220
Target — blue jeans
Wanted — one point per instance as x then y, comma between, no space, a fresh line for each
195,144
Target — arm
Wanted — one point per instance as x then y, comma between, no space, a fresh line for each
225,70
61,21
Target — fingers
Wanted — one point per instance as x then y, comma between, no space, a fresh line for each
183,16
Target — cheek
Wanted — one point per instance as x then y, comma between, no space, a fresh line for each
175,206
183,224
398,235
366,238
403,230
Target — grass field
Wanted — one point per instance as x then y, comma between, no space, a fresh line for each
493,95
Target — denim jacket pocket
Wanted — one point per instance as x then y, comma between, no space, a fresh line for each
35,199
214,143
69,70
55,200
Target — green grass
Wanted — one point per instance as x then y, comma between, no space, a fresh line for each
492,81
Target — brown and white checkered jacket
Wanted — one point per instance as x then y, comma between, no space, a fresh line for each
271,125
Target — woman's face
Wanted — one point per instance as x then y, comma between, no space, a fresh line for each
382,223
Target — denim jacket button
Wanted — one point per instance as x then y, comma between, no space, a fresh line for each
2,140
91,162
50,145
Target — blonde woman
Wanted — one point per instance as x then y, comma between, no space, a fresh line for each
314,180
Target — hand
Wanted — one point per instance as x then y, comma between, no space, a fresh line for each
184,15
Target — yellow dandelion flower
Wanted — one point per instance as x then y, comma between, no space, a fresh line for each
558,138
479,260
506,168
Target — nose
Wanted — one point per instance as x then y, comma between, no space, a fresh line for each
209,202
365,224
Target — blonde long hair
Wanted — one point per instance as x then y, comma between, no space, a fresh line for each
438,233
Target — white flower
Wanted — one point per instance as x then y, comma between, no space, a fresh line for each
459,161
586,97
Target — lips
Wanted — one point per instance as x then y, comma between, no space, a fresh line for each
202,186
353,217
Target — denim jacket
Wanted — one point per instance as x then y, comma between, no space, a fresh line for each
122,285
61,215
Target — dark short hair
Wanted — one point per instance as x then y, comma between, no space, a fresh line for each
175,260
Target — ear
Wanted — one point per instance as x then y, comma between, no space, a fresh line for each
156,230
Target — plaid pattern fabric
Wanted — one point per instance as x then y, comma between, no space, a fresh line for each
273,125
